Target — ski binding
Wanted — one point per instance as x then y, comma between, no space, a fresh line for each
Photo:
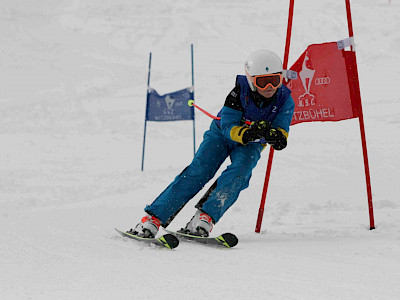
168,241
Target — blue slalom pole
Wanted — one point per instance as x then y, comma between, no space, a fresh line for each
147,106
192,97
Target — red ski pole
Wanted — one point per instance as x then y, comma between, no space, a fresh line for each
191,103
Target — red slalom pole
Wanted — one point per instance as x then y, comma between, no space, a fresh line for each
271,150
362,129
288,35
264,192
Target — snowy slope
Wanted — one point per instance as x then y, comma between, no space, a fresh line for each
73,80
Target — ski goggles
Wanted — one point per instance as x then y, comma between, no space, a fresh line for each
263,81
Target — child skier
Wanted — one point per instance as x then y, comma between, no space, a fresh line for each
259,97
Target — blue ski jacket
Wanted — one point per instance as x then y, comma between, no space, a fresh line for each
242,106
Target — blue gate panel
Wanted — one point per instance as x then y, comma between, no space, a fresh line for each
169,107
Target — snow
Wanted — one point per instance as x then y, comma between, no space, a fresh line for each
73,84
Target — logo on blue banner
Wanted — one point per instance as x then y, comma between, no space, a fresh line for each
169,107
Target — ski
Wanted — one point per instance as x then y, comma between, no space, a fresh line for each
168,241
227,240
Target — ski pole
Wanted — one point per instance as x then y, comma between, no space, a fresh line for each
191,103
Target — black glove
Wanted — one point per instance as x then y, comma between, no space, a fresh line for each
257,130
276,139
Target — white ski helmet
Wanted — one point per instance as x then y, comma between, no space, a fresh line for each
261,62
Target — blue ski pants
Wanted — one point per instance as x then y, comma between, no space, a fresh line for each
212,152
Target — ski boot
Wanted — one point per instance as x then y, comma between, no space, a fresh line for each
200,225
147,228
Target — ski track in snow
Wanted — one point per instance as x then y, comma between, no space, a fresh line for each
73,85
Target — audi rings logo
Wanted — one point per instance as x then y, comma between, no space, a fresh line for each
322,80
